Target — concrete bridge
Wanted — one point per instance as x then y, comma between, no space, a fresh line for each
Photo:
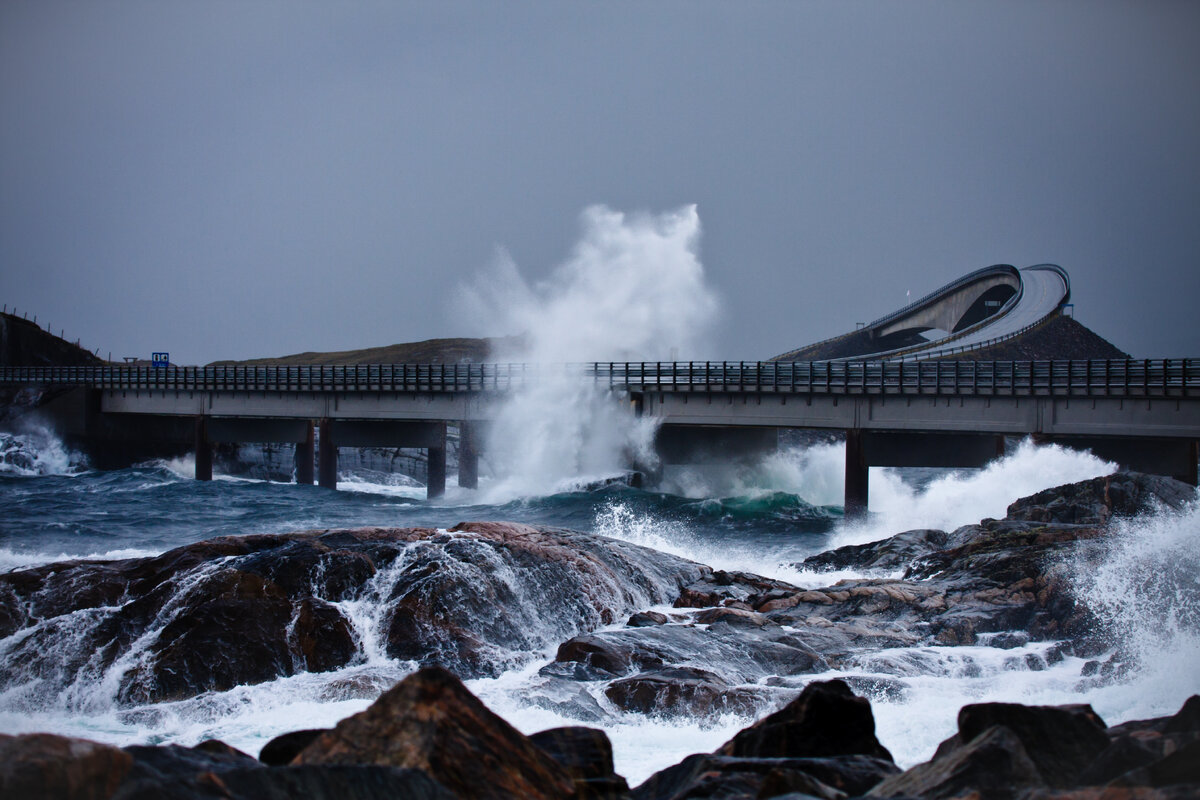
1142,414
980,309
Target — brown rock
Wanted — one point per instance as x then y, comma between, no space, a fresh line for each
827,719
429,721
42,765
993,766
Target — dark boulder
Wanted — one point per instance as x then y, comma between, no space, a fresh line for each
712,775
992,766
1094,502
429,721
680,690
826,719
44,765
282,749
1060,740
586,754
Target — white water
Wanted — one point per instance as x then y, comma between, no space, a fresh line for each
632,289
1143,583
35,450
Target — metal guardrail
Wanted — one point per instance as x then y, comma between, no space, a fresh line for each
1151,378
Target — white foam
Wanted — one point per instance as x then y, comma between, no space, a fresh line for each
633,288
37,450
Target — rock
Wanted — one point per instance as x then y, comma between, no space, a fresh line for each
240,610
644,619
1187,719
680,690
334,782
994,766
827,719
41,765
1093,502
895,552
282,749
429,721
1181,767
731,616
710,775
586,753
1060,740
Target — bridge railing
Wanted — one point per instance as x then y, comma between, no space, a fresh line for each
1098,378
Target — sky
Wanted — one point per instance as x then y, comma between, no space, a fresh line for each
245,179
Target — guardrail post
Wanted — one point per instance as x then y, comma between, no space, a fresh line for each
327,456
304,457
204,470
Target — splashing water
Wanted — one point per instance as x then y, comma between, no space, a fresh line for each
37,451
633,288
1144,588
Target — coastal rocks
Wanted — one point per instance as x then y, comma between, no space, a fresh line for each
477,599
1005,750
822,744
429,721
826,719
45,765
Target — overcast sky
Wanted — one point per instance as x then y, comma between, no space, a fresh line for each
240,179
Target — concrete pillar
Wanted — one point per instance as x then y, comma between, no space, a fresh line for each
304,458
203,450
436,484
327,466
857,475
468,456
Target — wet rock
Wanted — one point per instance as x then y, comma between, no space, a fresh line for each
429,721
1182,767
644,619
282,749
719,587
1060,740
246,609
993,766
826,719
45,765
1094,502
330,783
895,552
680,690
586,754
713,775
731,616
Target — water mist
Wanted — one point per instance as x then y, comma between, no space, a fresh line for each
632,289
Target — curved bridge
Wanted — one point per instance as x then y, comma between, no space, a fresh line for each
978,310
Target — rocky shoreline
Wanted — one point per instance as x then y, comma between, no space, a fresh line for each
483,598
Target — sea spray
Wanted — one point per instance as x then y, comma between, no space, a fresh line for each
1142,583
35,450
633,288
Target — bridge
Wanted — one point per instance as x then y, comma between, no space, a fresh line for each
980,309
1144,414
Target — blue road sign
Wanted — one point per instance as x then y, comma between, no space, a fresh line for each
161,359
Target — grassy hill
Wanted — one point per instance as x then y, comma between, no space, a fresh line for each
430,351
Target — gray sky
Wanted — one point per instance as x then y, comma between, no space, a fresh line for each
239,179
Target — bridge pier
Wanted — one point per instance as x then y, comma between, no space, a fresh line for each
327,456
304,457
435,484
857,475
204,459
468,456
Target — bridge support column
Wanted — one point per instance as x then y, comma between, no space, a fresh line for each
435,485
857,475
203,450
327,467
468,456
304,457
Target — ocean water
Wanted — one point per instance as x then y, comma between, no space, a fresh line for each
760,518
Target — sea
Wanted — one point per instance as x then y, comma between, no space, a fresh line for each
763,517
